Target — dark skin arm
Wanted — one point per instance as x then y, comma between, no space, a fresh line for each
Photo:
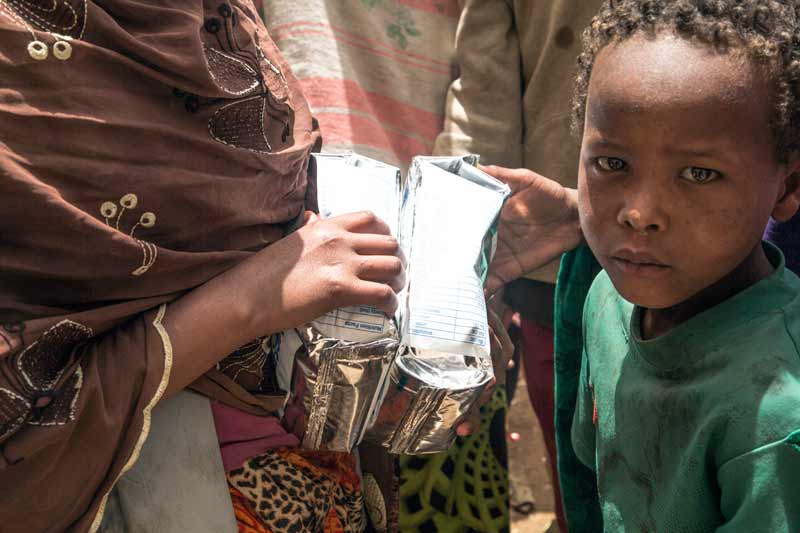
326,264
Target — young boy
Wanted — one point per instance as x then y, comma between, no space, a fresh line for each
689,406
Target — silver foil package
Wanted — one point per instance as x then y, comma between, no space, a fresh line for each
448,220
340,370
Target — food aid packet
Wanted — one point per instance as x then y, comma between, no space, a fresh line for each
346,354
449,219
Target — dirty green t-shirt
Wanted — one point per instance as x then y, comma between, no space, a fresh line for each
698,429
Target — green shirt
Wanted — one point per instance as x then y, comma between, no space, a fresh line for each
696,430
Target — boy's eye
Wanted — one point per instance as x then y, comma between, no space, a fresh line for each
699,174
611,164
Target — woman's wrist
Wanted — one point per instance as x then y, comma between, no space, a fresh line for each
214,319
254,298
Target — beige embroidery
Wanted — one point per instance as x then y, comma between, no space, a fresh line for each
14,410
261,119
44,15
109,210
62,50
146,414
41,367
230,73
57,18
53,341
76,382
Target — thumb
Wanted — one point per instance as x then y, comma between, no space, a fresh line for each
516,178
309,217
493,283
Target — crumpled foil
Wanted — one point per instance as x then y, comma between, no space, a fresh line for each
340,383
340,371
426,395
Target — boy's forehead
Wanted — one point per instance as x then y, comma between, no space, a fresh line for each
671,73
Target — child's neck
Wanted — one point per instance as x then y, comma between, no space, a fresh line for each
754,268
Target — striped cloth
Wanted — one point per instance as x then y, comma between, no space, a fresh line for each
375,72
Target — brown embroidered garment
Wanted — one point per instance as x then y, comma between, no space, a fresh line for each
144,148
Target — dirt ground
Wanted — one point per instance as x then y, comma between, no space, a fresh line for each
529,477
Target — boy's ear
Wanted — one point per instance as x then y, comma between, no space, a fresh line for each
789,202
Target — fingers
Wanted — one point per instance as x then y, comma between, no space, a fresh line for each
472,421
363,222
385,269
516,178
504,349
470,425
375,244
309,217
364,264
371,236
486,395
361,232
496,302
375,294
382,259
493,283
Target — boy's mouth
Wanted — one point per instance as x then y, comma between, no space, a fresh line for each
639,264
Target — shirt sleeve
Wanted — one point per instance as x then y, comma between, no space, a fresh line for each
759,489
490,71
583,423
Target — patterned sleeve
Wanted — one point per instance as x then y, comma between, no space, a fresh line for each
74,413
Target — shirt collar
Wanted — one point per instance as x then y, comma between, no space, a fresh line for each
689,341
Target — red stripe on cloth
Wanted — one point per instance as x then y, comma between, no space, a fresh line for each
347,94
276,33
355,44
448,8
349,130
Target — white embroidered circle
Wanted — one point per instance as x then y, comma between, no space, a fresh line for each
129,201
62,50
148,219
108,209
37,50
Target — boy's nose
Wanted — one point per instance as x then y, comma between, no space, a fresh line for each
641,221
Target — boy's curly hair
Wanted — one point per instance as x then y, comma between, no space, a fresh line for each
769,30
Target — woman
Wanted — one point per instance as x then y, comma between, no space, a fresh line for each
154,161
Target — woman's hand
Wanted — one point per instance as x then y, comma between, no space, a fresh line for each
341,261
538,223
346,260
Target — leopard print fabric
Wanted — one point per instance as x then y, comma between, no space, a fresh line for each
302,492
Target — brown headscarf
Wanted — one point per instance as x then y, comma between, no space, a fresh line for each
145,147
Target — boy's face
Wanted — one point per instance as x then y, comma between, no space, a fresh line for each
678,172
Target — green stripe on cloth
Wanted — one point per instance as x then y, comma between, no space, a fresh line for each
578,483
